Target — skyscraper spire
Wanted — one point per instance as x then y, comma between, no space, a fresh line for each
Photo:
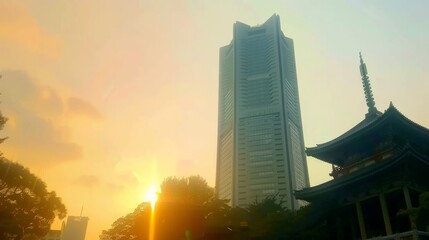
367,88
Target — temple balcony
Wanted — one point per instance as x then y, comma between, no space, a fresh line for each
338,171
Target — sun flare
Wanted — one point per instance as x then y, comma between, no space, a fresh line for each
152,195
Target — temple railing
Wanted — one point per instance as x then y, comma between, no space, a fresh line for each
410,235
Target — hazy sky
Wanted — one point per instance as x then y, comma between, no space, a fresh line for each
105,98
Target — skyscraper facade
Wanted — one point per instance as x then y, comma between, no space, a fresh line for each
260,141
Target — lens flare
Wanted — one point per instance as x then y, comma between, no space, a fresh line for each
152,195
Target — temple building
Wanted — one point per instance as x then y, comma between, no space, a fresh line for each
379,169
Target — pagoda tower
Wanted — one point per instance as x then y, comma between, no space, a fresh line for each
379,169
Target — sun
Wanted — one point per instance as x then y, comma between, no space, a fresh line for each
152,195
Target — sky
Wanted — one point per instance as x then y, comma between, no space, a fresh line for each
106,98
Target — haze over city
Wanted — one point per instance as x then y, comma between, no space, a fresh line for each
106,98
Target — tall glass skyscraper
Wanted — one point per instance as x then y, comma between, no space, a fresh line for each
260,142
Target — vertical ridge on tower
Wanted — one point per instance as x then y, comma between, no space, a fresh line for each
367,88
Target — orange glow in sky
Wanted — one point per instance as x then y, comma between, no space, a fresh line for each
99,92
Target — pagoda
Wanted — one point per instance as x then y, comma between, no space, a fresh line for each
379,169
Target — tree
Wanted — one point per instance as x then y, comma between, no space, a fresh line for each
134,225
419,216
182,211
25,202
188,209
193,190
26,206
182,208
422,212
266,218
218,219
2,123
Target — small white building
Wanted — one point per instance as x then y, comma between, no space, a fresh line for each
75,228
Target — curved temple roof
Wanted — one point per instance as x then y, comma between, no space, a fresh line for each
366,127
309,194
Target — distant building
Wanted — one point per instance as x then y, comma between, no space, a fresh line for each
53,235
75,228
379,167
260,140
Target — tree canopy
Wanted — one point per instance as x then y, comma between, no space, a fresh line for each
27,208
422,212
181,210
182,207
188,209
2,122
130,226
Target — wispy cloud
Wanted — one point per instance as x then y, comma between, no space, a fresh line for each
38,131
87,181
80,107
18,27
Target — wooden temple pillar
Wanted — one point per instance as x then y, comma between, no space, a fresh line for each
360,220
407,197
408,204
385,213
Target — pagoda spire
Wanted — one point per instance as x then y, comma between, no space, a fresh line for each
367,88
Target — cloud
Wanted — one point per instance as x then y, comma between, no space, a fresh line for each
37,134
121,181
79,107
114,187
21,92
18,27
87,181
48,102
128,179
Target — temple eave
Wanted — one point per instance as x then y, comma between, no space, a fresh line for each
366,129
408,156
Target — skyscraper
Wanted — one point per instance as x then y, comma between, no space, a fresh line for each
260,141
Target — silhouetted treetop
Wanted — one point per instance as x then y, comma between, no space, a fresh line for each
193,190
25,202
27,208
3,121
